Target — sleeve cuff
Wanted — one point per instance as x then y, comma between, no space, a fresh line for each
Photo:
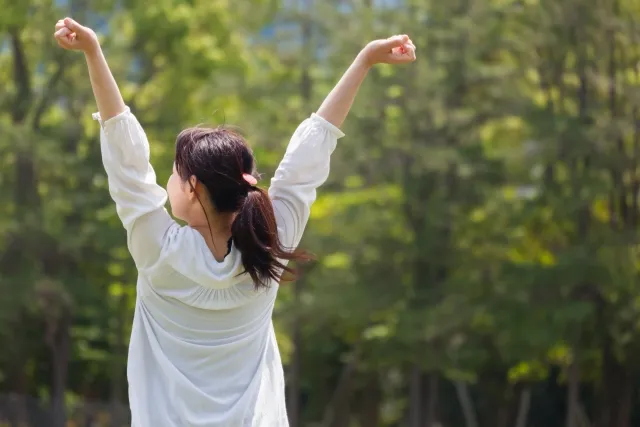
333,129
118,117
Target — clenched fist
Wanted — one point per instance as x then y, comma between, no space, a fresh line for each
73,36
394,50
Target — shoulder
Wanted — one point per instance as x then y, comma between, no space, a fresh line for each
180,243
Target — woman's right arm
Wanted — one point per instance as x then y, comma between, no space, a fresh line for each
125,152
73,36
305,166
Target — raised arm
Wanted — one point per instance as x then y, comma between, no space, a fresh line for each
71,35
305,165
125,152
394,50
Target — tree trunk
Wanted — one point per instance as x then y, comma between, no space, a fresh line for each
621,408
18,409
370,402
466,403
583,418
17,374
523,407
306,86
337,411
60,350
117,367
415,396
431,385
503,414
573,394
26,195
616,394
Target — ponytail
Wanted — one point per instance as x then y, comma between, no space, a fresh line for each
221,160
255,234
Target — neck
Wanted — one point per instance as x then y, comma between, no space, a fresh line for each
218,224
216,233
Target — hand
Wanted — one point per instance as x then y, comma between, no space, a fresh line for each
73,36
394,50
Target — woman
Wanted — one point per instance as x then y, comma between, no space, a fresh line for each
203,350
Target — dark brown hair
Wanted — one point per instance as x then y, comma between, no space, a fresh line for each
218,158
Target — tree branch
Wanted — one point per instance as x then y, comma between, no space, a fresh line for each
21,76
45,99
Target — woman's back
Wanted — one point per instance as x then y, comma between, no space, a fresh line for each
215,348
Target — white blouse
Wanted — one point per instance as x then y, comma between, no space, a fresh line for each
203,351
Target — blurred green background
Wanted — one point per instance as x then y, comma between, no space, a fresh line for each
478,254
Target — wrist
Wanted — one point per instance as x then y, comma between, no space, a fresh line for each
363,61
93,49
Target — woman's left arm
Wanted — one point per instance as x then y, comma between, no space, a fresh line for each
394,50
305,165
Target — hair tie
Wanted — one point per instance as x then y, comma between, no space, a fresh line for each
251,180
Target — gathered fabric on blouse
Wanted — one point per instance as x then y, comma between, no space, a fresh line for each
203,350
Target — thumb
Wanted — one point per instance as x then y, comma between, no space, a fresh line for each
396,41
73,25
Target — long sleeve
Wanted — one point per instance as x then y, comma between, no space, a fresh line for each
132,184
304,168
